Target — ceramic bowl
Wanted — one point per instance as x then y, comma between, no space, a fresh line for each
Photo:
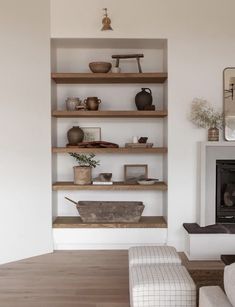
143,140
100,67
106,176
147,181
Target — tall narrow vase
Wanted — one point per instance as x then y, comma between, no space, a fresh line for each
213,134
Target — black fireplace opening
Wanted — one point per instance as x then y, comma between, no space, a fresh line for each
225,191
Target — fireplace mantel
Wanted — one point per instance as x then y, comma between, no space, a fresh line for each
209,153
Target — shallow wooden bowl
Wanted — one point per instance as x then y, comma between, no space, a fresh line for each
100,67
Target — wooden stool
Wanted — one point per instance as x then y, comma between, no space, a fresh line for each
128,56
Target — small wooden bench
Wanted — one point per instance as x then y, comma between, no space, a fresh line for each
118,57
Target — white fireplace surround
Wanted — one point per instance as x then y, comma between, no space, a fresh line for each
210,152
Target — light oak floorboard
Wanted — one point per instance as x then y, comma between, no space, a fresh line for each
73,278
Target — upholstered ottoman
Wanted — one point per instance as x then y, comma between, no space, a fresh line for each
161,285
153,255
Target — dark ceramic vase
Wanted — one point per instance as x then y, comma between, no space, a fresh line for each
75,135
143,98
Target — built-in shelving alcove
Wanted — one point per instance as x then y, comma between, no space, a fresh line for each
119,121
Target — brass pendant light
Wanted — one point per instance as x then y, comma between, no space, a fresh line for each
106,21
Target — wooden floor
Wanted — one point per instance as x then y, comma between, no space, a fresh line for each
73,278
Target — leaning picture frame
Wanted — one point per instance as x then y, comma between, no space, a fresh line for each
91,134
135,172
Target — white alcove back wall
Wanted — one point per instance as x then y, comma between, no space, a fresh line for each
120,131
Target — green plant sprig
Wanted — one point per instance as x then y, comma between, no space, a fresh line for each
85,160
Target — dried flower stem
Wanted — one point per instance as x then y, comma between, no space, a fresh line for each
204,115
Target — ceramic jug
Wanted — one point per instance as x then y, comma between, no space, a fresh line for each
143,98
72,103
92,103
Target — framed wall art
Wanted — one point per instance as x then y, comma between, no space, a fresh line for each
135,172
91,134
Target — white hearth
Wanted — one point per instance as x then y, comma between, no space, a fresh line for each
210,246
210,152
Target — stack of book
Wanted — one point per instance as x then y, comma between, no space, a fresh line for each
139,145
96,182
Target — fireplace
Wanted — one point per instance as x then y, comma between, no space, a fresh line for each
225,191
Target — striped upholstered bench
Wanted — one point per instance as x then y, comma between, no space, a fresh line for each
140,255
164,285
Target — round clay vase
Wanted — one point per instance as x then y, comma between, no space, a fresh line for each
213,134
143,98
75,135
82,175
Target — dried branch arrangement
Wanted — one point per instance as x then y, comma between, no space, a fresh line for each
204,115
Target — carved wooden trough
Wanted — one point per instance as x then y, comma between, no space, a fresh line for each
109,211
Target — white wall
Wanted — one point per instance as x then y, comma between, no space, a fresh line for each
200,45
25,181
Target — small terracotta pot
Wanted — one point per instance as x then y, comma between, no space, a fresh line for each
82,175
213,134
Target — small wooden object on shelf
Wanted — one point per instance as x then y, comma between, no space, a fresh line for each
139,145
118,57
100,67
150,108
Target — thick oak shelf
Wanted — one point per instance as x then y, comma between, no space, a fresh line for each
102,78
117,186
119,150
76,222
110,114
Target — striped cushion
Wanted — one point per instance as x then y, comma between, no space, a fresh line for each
164,285
153,255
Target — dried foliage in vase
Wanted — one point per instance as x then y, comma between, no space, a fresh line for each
204,115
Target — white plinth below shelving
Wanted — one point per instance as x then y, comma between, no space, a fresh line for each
103,238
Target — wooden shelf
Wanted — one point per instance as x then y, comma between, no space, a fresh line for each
101,78
117,186
76,222
119,150
110,114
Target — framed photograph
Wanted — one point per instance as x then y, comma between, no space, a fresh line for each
91,134
135,172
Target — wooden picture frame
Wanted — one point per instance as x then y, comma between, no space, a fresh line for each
91,134
135,172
